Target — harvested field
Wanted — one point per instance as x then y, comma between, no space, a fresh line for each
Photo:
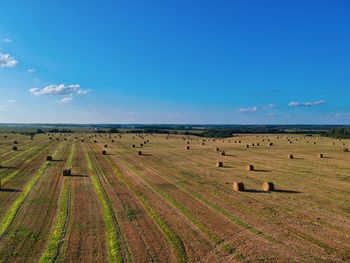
173,205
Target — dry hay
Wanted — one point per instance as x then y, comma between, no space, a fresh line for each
219,164
345,150
82,140
67,172
222,153
106,146
247,146
188,142
15,142
268,186
187,147
250,167
95,141
291,156
133,146
271,144
112,140
258,144
236,186
320,155
49,158
217,149
14,148
141,144
104,152
139,152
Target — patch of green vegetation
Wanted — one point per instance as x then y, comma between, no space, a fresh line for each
114,254
131,214
12,211
58,228
174,240
23,233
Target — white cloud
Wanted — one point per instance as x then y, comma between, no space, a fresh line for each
55,90
248,110
31,70
7,40
10,101
6,61
83,92
295,104
342,115
66,93
66,99
269,106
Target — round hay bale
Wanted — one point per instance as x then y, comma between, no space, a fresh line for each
139,152
217,149
250,167
222,153
15,142
345,150
268,186
67,172
82,140
133,146
14,148
106,146
104,152
238,186
112,140
187,147
141,145
49,158
247,146
258,144
188,142
219,164
270,144
291,156
320,155
253,144
95,141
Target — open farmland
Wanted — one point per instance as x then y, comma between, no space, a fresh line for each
167,201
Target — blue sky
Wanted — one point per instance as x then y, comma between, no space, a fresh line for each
225,62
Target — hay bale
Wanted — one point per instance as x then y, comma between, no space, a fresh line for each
141,144
236,186
49,158
219,164
188,142
270,144
291,156
95,141
14,148
187,147
67,172
133,146
222,153
112,140
82,140
15,142
104,152
253,144
247,146
106,146
217,149
139,152
250,167
258,144
345,150
268,186
320,155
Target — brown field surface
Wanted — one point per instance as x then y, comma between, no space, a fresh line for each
173,204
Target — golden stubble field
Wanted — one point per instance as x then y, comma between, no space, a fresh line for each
167,201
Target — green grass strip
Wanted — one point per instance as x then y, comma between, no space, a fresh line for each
12,211
112,242
174,240
58,228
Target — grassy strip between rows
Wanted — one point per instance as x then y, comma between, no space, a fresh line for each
114,254
13,174
12,211
58,228
200,225
57,231
174,240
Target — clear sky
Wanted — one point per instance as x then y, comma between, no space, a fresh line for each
175,61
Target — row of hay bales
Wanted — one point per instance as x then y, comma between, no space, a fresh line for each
266,186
